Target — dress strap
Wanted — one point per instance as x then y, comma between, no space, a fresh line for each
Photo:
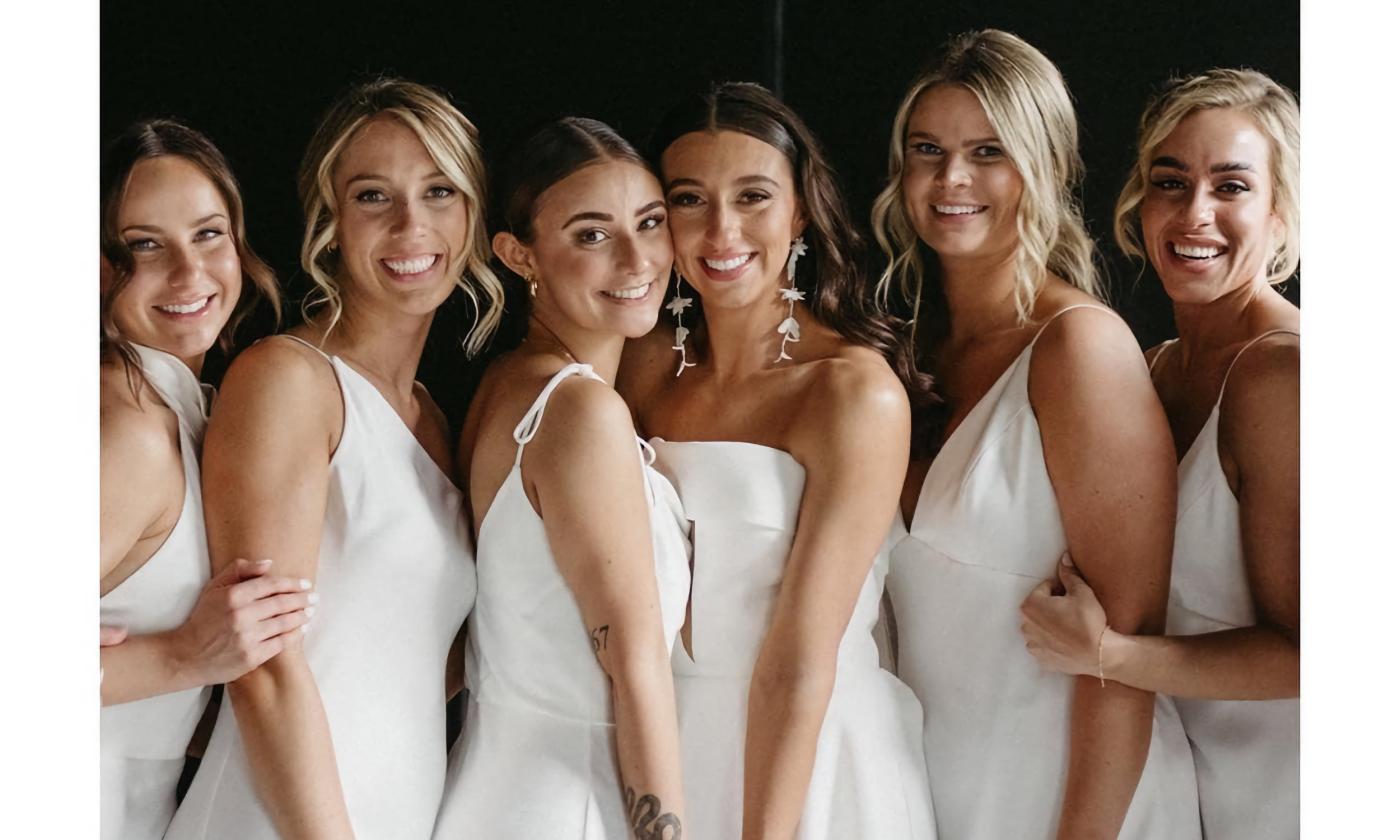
177,386
323,354
1247,345
530,423
1161,348
1052,318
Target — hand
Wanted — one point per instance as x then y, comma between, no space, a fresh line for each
243,618
112,635
1062,632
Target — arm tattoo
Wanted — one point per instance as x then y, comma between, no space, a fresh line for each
600,638
645,819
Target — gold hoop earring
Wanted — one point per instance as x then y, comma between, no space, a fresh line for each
532,284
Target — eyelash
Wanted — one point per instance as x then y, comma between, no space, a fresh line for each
140,246
934,149
1175,184
377,196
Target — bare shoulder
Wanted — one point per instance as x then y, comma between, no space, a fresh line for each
1264,383
582,415
283,376
855,389
138,431
648,363
1087,341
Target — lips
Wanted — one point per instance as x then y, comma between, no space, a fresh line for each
188,308
629,293
410,267
1197,252
727,266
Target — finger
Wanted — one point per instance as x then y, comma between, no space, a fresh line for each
282,624
238,570
1071,578
275,605
248,591
112,635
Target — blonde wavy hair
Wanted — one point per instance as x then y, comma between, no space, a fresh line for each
1026,101
1274,111
451,141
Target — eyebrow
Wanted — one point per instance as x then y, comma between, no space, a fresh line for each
1229,166
650,207
747,179
373,176
157,229
979,141
587,216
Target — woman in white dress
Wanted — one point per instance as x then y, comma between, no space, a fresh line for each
582,556
777,416
327,456
1213,204
1051,437
177,273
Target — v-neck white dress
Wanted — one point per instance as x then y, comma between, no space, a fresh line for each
538,754
396,581
868,778
144,741
1246,751
985,532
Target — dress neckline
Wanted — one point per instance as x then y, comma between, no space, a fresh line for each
657,439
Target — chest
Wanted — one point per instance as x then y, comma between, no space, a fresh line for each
763,409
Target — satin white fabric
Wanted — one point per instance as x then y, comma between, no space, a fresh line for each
868,779
144,741
996,727
538,755
396,581
1246,751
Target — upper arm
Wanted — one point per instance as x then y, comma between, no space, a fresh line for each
137,452
267,458
1259,431
853,442
587,473
1109,453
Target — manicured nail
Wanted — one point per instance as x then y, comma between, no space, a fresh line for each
304,583
310,611
266,561
313,597
305,628
1064,559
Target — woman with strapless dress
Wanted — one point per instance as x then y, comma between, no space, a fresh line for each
582,553
177,274
1050,437
1213,204
776,413
327,456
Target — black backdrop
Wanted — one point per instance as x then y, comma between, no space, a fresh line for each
256,78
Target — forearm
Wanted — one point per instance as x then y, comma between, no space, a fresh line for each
146,666
785,715
648,748
1110,731
1246,663
288,743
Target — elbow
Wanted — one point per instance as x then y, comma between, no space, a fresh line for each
636,665
264,685
794,673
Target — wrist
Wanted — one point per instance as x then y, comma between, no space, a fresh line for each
177,657
1114,653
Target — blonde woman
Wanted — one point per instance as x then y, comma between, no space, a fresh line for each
1052,438
177,276
1213,204
325,455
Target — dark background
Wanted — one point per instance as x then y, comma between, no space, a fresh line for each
256,78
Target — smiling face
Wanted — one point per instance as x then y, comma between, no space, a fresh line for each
734,213
401,224
1208,222
600,250
185,277
961,191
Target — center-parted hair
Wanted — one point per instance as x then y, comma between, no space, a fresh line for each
451,141
1028,105
839,295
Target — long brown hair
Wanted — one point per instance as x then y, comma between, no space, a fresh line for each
838,292
151,139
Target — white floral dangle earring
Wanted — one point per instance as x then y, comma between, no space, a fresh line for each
792,295
678,305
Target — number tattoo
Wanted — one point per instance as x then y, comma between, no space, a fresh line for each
599,636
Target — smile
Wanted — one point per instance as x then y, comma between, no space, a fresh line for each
1197,252
629,293
409,266
185,308
959,209
728,264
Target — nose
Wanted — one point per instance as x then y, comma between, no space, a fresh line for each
721,224
1199,208
954,172
185,266
408,217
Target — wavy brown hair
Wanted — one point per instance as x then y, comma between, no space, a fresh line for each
839,294
149,139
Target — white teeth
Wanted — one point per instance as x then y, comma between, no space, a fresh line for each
728,265
417,265
634,293
1199,252
185,308
958,209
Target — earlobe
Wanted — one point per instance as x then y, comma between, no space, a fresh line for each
511,251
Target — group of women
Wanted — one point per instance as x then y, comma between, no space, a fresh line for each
726,548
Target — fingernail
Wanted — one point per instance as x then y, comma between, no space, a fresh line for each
266,561
1064,559
313,597
305,628
310,611
304,583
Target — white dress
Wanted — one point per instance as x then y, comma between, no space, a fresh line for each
1246,750
868,779
396,581
538,756
985,532
144,741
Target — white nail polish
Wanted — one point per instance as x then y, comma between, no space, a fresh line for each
313,598
305,584
310,611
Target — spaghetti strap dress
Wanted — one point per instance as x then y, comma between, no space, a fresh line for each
986,530
1246,751
868,778
396,580
144,741
538,755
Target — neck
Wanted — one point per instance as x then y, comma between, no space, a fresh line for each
744,341
388,345
981,295
600,350
1227,320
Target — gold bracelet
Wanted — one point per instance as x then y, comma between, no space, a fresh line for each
1101,635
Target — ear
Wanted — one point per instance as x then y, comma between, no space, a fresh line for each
799,221
515,254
